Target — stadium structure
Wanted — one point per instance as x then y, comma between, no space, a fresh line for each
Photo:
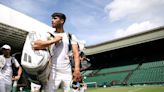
14,27
131,60
135,59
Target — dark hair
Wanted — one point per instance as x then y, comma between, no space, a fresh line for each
60,15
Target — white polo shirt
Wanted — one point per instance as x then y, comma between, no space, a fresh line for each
6,72
60,59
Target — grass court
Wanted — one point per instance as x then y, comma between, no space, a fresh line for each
127,89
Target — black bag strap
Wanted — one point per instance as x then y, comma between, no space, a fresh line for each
70,38
14,68
51,34
70,45
70,49
13,61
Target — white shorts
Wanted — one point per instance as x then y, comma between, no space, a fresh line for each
58,78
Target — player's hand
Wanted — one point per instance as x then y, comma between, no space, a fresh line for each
76,75
16,77
58,39
37,45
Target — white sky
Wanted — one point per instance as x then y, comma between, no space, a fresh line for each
96,21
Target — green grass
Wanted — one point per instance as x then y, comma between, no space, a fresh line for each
129,89
125,89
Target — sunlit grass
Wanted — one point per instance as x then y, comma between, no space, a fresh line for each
124,89
129,89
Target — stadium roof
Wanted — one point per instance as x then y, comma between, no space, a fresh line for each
21,21
14,27
13,36
146,36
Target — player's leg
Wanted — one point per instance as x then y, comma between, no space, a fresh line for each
53,83
8,87
82,89
14,88
52,86
2,86
66,82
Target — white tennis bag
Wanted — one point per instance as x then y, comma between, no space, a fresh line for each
36,63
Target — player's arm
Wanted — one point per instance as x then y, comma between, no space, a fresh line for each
76,73
19,73
19,70
40,44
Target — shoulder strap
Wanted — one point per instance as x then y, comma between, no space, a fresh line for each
12,62
12,59
69,38
70,45
51,35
